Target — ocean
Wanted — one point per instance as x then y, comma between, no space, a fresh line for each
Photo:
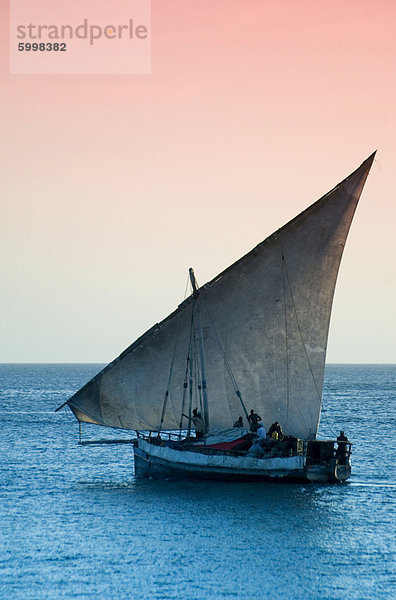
74,522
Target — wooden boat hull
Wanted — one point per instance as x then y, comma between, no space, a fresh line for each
164,462
149,466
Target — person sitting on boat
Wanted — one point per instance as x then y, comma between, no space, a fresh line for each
341,452
238,423
261,432
256,450
275,429
253,419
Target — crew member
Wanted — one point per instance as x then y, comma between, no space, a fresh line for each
261,432
238,423
275,428
253,419
341,453
199,425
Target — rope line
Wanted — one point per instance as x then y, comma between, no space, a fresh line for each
167,388
185,385
227,364
286,336
300,331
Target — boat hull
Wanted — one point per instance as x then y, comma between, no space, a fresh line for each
149,466
164,462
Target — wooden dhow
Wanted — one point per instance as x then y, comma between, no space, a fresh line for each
253,337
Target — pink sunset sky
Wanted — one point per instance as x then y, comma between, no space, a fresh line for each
113,185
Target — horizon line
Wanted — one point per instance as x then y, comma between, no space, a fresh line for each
105,363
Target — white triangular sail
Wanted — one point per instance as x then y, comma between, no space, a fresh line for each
266,318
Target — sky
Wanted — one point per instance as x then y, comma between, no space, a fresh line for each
114,185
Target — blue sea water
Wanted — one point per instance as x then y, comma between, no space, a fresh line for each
74,522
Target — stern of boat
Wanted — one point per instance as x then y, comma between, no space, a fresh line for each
323,463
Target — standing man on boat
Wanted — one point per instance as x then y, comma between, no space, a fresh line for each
341,453
253,419
199,425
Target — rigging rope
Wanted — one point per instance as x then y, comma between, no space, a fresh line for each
299,328
185,385
191,389
167,388
186,288
324,413
198,391
228,366
286,337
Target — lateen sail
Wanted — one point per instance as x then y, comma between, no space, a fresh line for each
269,313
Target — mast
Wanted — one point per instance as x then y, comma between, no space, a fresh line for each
201,349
